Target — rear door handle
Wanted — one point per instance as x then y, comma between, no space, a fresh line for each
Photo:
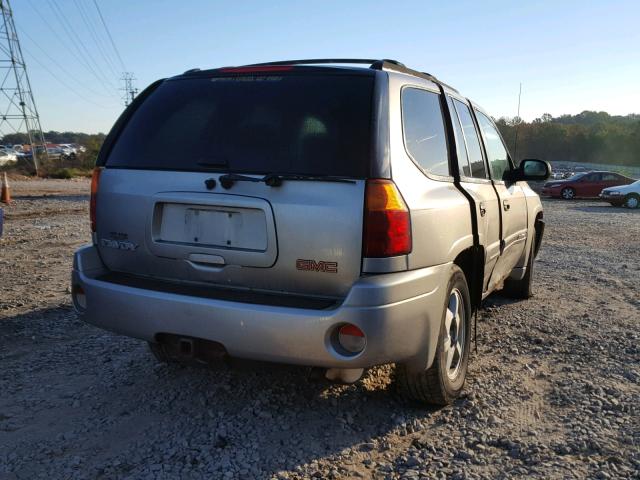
506,205
483,210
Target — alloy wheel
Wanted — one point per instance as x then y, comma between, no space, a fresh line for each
455,332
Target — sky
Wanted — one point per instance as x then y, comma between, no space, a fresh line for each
569,56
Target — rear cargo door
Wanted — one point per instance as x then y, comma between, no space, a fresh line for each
183,197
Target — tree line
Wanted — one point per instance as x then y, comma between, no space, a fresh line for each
589,137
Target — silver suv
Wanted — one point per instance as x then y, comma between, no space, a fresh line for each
329,215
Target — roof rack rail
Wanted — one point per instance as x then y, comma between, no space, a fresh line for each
386,65
317,61
380,64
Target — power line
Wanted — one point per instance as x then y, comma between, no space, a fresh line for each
104,24
55,62
78,43
62,82
94,35
80,60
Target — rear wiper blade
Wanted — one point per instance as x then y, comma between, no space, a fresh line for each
275,179
228,179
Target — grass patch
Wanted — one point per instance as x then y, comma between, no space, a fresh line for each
67,173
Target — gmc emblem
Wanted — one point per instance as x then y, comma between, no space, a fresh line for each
313,266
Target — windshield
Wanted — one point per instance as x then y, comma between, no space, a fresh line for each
306,124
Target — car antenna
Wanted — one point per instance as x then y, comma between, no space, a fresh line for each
515,142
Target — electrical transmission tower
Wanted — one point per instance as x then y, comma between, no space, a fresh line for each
17,107
129,90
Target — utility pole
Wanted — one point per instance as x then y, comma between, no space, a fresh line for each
129,90
18,110
515,142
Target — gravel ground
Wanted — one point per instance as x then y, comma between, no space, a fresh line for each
553,391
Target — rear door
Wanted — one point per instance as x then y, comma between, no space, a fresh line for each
590,185
475,180
513,204
182,195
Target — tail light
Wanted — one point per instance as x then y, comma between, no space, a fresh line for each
95,181
387,223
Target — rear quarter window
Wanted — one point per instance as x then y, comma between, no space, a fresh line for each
424,133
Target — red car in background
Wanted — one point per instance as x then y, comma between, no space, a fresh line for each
584,185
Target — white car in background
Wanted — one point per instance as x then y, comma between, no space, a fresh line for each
623,195
7,156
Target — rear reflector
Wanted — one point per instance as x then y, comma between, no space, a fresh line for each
351,338
387,223
95,181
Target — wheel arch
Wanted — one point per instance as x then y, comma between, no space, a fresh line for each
471,262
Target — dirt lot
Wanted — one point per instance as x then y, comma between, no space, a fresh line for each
553,392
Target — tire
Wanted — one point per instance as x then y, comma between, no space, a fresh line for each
522,289
442,383
632,201
568,193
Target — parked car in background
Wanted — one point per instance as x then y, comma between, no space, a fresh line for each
68,151
584,185
54,153
7,157
623,195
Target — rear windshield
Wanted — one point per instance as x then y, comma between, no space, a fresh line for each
306,124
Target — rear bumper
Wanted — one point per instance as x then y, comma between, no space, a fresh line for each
400,314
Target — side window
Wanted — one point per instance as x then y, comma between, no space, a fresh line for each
476,162
610,177
461,148
498,158
424,134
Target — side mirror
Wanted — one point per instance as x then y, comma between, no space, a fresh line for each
531,169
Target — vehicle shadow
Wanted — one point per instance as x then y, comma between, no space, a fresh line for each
257,416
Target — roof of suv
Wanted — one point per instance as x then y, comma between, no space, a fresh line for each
382,64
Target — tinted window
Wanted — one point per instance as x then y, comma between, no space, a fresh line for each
498,158
611,177
308,124
461,149
424,134
593,177
474,151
